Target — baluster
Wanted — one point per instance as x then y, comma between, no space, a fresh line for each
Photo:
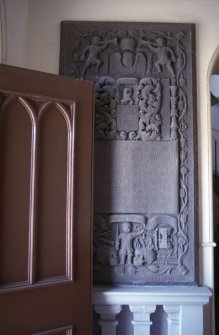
108,318
141,318
173,318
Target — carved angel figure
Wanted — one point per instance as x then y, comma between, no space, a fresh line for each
165,55
92,52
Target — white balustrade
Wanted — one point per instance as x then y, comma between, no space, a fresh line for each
108,321
173,318
183,306
141,318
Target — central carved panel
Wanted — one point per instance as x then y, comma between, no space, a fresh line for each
145,157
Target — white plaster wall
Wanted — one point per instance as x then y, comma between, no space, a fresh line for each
33,42
17,27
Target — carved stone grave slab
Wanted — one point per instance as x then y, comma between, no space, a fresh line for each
145,187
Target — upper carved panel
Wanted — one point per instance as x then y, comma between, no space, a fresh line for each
134,52
130,67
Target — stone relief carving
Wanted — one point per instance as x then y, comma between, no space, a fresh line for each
91,54
149,102
165,55
128,109
134,244
143,74
127,59
105,119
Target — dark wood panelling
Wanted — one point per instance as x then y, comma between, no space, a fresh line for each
15,153
58,153
52,192
58,331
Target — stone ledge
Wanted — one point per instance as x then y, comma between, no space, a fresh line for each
159,295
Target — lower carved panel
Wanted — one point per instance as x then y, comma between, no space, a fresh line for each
131,247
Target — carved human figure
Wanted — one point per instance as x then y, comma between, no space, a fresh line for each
125,241
164,54
127,96
93,53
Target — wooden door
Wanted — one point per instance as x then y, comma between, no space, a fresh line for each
46,141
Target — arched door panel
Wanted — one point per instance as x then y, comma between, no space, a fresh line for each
45,203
